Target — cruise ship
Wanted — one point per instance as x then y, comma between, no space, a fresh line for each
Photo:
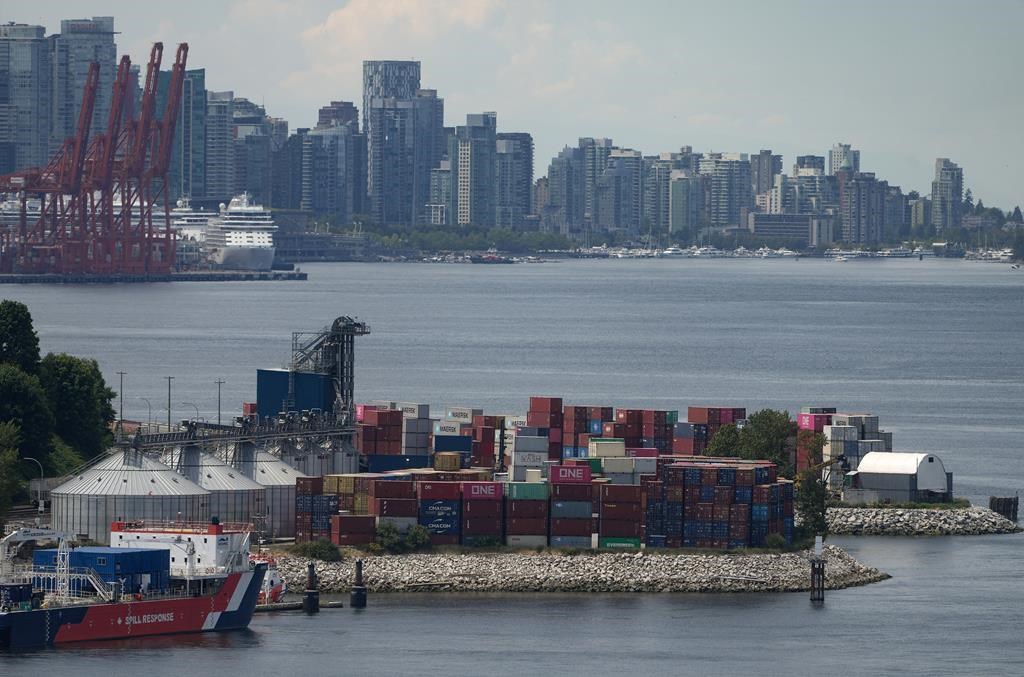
241,236
188,223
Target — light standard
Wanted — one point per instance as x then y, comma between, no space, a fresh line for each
219,383
149,410
120,404
169,379
191,404
39,489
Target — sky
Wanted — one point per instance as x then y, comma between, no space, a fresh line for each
904,82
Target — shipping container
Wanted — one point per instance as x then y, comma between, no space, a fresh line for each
571,541
520,526
526,540
572,509
618,543
528,509
573,527
527,491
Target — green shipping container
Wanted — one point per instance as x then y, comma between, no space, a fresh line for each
527,491
609,542
673,417
595,465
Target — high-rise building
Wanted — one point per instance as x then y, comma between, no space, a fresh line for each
730,186
632,161
809,162
440,194
595,154
921,216
80,43
186,174
783,198
399,80
657,175
841,154
220,147
335,157
26,91
947,194
563,211
685,202
764,167
337,113
404,146
472,160
862,209
286,177
251,130
540,196
896,220
513,179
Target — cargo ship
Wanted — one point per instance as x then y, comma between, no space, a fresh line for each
154,579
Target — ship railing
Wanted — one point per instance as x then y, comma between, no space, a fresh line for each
184,526
47,578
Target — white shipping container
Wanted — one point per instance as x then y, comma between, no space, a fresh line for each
513,420
645,466
447,428
617,465
841,433
413,410
606,448
621,478
529,459
462,414
523,443
534,475
867,446
384,404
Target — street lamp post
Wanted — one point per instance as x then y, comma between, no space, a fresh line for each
169,379
120,404
39,489
219,383
149,410
192,404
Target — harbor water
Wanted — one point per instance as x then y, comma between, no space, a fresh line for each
932,347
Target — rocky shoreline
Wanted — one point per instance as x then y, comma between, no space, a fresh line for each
592,572
917,522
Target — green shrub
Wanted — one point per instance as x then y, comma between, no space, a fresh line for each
323,550
417,538
775,542
391,541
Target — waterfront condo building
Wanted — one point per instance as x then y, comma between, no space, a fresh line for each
26,90
947,194
842,154
80,43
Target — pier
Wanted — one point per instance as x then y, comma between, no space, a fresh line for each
191,276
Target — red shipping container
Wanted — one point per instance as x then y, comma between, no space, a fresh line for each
762,493
674,494
620,528
570,474
352,539
642,452
487,421
544,419
439,491
555,435
739,513
481,491
546,404
483,434
526,509
620,493
382,417
705,512
621,511
519,526
481,526
572,527
482,509
744,477
724,495
739,531
572,492
353,524
575,414
392,489
720,513
248,408
309,486
814,422
697,414
675,475
394,507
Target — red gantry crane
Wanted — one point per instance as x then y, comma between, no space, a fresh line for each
97,198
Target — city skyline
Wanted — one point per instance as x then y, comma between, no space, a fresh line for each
561,73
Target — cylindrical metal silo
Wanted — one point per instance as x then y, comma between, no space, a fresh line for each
234,498
278,478
126,485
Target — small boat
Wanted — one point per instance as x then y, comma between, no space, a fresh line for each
274,585
491,256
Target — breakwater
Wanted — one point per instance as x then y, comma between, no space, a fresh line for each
590,572
917,522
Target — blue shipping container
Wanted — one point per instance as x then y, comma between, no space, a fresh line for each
743,494
436,508
388,463
758,512
596,427
459,443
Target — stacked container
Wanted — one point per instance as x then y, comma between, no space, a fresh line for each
577,430
683,438
527,511
440,511
708,421
380,433
812,423
529,451
571,509
482,512
546,412
416,428
485,441
620,516
305,489
657,429
393,501
349,529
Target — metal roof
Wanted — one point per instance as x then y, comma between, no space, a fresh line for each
892,462
213,474
129,473
271,471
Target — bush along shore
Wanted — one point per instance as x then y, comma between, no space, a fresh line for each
917,522
593,572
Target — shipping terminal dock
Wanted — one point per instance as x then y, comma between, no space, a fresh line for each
180,276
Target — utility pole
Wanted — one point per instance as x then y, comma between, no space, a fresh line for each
219,383
169,379
120,403
39,489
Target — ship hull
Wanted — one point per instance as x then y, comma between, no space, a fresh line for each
242,258
231,608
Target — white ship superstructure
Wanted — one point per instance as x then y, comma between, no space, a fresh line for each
188,223
241,236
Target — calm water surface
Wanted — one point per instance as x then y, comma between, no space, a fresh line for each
933,347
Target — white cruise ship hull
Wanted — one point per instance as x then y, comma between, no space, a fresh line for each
242,258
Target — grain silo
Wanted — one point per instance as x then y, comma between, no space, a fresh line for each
278,478
234,498
126,485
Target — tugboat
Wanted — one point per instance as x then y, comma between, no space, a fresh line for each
131,589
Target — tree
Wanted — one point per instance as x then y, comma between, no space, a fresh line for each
11,483
726,442
767,436
19,344
23,401
980,207
968,206
811,502
1017,217
80,401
